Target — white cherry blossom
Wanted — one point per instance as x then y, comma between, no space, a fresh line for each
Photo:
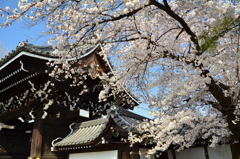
179,57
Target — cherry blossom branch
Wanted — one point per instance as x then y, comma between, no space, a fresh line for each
185,26
215,87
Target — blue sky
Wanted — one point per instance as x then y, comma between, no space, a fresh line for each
12,35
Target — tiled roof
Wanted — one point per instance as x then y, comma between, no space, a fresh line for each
41,50
124,118
86,132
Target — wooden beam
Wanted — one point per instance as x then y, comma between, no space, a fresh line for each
36,142
33,67
76,115
134,152
19,112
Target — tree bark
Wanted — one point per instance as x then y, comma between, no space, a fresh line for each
226,107
234,138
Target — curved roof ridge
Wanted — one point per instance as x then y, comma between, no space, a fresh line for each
45,51
117,110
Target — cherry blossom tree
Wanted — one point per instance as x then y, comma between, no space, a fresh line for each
179,57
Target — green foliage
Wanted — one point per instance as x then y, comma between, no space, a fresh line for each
208,43
209,39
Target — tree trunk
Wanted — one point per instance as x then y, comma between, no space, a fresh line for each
234,139
226,108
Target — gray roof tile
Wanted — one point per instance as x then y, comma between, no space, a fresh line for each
84,132
125,119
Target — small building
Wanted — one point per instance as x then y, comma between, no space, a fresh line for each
104,138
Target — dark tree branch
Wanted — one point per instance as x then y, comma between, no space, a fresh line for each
124,15
217,91
185,26
166,4
136,25
217,106
167,32
179,34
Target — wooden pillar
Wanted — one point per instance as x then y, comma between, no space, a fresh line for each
124,154
134,152
36,143
91,109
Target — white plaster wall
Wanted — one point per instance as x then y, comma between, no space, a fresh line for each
95,155
220,152
143,152
169,152
192,153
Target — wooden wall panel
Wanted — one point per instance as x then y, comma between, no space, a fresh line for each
14,144
51,132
